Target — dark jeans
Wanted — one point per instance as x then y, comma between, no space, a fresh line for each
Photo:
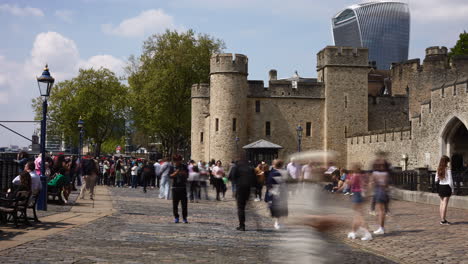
194,190
242,196
220,188
204,188
134,181
179,195
258,190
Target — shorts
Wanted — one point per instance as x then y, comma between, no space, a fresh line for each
357,197
381,196
445,190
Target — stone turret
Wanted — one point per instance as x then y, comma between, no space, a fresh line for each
200,114
228,106
344,71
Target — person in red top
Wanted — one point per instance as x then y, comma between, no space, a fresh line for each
357,182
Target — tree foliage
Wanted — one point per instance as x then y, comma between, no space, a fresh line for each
98,97
160,81
461,48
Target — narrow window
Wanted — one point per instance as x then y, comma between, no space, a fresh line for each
201,137
346,101
234,123
308,129
345,131
216,124
257,106
267,128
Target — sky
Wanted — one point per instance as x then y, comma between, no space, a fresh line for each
274,34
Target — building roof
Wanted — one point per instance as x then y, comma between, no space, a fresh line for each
262,144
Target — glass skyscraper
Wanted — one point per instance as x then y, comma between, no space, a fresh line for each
383,26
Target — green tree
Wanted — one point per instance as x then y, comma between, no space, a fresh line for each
160,81
98,97
461,48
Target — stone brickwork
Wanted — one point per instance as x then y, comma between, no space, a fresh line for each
387,112
344,72
423,117
200,112
228,101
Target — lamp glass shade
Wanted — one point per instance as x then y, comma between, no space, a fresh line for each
45,82
299,131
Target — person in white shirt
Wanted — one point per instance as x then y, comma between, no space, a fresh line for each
36,186
294,169
157,172
444,177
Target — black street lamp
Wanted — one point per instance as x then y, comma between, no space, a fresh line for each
237,146
299,137
45,83
81,129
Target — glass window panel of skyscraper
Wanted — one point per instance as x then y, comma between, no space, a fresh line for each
383,26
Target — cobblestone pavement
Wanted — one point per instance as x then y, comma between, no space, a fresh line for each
142,231
414,235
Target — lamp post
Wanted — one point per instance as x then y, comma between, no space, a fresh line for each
81,129
299,137
45,83
237,146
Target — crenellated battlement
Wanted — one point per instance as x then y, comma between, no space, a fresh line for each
229,63
342,56
201,90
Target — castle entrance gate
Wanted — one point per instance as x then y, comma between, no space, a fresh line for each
455,145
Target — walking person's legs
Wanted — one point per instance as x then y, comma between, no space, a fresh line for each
443,208
162,189
92,183
84,186
175,205
184,208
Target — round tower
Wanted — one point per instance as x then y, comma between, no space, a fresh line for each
200,113
228,106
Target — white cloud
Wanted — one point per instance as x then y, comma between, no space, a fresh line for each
21,11
106,61
60,53
429,11
64,15
147,22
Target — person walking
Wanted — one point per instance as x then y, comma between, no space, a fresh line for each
90,170
194,184
179,189
277,192
165,188
134,175
218,174
147,175
444,178
244,178
119,171
157,173
357,182
380,180
261,176
203,181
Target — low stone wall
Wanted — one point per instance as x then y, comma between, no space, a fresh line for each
428,198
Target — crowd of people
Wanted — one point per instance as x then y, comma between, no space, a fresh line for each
191,181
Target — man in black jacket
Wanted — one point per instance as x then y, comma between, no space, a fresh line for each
244,177
179,188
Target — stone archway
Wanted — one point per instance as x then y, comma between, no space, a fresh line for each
455,142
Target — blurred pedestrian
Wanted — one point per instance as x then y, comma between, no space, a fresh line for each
218,174
165,188
380,180
277,192
357,182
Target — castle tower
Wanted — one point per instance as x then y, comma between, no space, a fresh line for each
228,106
344,71
200,114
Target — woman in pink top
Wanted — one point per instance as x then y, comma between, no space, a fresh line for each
358,180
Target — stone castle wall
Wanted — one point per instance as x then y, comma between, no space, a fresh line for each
284,115
416,80
345,74
387,112
200,112
423,144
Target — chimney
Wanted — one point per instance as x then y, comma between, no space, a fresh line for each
273,75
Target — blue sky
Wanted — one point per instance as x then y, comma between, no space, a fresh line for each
285,35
